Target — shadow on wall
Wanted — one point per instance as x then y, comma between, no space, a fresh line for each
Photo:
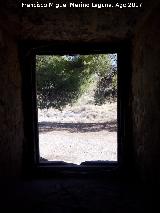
110,126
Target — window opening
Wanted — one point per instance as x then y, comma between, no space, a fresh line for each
77,108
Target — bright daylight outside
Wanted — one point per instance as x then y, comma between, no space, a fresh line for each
77,107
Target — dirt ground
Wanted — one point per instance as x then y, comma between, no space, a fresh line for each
78,134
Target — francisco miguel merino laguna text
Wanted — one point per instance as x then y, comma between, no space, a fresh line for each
64,5
80,5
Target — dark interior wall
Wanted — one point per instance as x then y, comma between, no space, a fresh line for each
77,25
17,24
82,25
11,132
146,97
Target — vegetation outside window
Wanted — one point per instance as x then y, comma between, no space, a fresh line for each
77,108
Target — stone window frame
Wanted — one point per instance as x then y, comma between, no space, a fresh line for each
28,51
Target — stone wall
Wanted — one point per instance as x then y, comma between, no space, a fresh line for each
11,132
146,97
78,24
87,26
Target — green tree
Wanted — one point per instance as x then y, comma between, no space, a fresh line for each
106,89
61,80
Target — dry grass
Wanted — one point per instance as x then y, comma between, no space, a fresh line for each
80,113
